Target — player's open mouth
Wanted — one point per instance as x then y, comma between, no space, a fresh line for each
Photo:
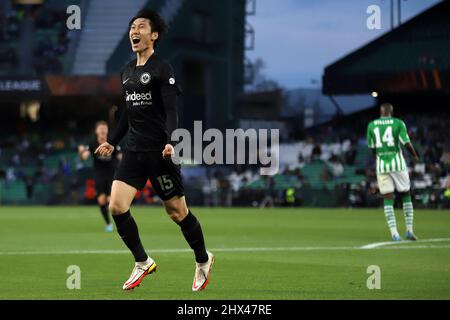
135,40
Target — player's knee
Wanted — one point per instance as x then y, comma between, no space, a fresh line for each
176,214
388,195
117,208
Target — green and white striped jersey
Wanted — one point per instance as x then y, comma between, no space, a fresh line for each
386,135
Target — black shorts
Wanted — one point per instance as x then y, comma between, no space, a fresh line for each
103,183
165,176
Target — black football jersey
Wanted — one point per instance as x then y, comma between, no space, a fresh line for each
144,89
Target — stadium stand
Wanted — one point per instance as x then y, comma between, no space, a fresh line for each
9,31
329,168
41,25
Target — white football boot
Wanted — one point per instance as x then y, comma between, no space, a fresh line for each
140,271
202,273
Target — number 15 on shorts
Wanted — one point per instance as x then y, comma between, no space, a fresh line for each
165,182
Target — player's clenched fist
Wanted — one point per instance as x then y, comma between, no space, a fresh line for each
105,149
168,151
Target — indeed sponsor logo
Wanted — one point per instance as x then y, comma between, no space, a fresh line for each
138,96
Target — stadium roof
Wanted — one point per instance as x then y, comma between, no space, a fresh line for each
414,57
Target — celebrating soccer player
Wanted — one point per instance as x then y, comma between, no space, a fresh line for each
149,117
104,167
385,136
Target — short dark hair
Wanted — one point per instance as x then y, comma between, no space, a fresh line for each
387,107
157,23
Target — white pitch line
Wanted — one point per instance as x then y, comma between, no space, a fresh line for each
423,246
274,249
14,253
390,243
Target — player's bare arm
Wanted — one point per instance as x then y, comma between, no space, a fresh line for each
412,152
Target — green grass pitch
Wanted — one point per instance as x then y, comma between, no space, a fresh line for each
260,254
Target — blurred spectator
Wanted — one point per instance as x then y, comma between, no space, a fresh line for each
29,185
316,153
335,166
